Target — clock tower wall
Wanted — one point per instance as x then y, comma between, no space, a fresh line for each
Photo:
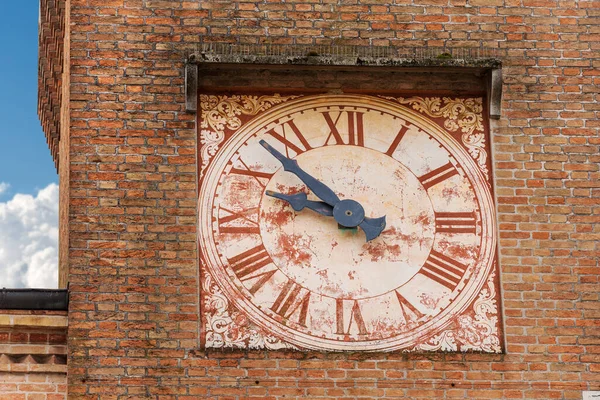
135,326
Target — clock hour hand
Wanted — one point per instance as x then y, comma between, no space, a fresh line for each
299,201
318,188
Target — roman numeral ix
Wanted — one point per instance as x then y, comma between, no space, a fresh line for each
239,222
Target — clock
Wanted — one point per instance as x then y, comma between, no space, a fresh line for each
346,222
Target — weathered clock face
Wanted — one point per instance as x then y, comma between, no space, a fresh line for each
307,282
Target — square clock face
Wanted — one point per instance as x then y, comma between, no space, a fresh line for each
346,222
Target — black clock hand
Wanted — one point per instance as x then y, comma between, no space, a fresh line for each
350,213
371,226
299,201
318,188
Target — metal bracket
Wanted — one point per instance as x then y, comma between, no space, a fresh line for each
494,93
191,86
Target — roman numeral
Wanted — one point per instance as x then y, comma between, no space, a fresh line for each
248,265
355,317
356,136
238,222
409,312
456,222
443,269
286,134
259,176
397,140
290,300
438,175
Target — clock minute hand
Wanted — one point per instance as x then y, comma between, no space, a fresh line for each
299,201
372,227
318,188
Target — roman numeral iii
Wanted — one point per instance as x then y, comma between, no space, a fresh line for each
456,222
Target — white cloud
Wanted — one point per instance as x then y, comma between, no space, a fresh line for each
29,240
3,187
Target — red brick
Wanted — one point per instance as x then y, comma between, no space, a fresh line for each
128,180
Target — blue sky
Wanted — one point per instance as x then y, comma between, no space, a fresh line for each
28,190
25,161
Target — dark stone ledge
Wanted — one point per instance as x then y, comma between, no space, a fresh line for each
34,299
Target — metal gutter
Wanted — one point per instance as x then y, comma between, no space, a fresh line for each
34,299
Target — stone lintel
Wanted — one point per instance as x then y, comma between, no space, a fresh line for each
484,62
489,68
344,61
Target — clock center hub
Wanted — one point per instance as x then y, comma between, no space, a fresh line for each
348,213
310,249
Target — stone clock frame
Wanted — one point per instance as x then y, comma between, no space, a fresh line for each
461,108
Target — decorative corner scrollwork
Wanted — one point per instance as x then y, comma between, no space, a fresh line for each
231,329
222,112
477,332
465,115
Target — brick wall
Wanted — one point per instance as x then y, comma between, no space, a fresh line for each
33,355
64,160
133,328
50,69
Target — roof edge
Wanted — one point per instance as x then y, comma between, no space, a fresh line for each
34,299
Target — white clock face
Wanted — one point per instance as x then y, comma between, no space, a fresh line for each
316,285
